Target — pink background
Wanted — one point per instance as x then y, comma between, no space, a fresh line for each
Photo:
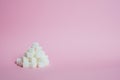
81,37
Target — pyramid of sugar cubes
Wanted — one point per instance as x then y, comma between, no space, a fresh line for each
34,57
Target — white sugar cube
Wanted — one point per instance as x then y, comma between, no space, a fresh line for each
44,56
33,64
29,55
25,59
33,60
38,55
42,52
38,60
45,61
25,62
19,61
31,50
38,49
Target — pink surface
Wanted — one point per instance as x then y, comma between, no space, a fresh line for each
81,37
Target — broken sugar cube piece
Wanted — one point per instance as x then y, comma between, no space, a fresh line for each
19,61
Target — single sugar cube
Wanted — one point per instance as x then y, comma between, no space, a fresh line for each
41,65
45,60
29,54
31,50
33,62
44,56
38,49
25,62
38,55
38,60
25,59
42,52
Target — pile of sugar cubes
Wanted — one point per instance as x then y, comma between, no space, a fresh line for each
34,57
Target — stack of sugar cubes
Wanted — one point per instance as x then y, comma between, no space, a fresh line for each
34,57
